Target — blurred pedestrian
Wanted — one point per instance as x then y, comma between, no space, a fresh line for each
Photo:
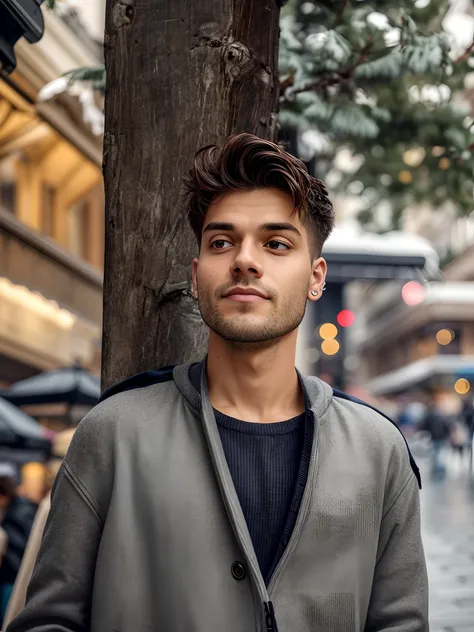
436,423
18,596
3,543
235,493
18,517
459,437
467,415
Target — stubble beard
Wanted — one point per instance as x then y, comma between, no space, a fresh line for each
236,330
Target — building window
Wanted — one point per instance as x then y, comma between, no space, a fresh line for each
47,215
8,196
77,218
7,185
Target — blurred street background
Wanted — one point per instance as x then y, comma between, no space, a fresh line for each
447,522
379,102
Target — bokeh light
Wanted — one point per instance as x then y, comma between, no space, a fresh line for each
444,337
462,386
330,347
346,318
437,151
444,163
328,331
414,157
413,293
405,176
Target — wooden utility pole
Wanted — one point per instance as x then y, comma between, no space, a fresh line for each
180,75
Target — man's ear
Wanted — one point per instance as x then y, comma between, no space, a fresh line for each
195,286
319,269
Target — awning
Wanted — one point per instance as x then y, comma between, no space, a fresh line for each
344,267
71,385
19,430
353,255
420,372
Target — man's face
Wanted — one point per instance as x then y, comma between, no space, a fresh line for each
255,272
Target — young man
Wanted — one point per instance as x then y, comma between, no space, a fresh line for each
234,493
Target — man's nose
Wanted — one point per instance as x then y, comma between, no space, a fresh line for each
247,262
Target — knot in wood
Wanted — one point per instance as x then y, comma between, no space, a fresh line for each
238,60
123,13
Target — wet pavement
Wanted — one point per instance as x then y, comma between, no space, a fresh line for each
448,534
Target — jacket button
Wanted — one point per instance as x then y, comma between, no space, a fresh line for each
238,571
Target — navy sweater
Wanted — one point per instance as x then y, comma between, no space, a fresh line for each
269,466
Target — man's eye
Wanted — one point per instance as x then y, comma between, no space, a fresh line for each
219,244
277,245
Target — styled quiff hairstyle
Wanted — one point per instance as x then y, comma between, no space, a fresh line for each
248,162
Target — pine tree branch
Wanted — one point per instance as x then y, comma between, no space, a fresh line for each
321,82
287,82
333,79
465,55
340,15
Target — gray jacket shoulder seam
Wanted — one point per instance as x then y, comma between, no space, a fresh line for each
410,477
82,491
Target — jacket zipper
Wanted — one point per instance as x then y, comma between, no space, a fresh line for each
270,620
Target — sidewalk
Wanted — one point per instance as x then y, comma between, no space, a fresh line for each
448,535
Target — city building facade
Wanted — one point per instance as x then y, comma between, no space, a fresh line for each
51,207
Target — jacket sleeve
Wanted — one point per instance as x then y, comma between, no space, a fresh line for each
60,592
399,599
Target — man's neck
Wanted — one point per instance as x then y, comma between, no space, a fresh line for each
255,382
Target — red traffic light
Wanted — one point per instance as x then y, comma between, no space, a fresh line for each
346,318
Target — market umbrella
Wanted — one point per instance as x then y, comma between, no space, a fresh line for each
19,430
71,385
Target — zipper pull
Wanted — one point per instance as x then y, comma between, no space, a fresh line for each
270,617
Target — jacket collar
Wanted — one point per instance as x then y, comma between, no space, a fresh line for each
317,394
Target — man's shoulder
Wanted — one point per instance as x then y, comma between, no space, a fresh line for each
139,381
381,431
365,411
123,411
128,404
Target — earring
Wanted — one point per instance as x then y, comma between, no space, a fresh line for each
314,292
324,286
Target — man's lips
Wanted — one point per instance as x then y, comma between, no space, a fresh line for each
245,295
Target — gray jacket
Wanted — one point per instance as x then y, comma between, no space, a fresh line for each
145,526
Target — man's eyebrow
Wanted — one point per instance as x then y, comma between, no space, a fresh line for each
221,226
276,228
266,228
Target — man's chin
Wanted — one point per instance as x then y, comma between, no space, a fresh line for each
247,340
245,333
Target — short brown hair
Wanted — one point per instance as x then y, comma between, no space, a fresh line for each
248,162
